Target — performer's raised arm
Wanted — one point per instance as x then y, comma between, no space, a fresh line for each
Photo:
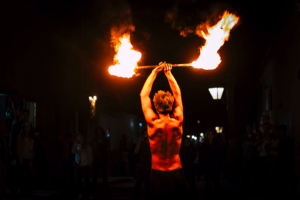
178,110
150,115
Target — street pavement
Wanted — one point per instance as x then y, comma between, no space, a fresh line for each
122,188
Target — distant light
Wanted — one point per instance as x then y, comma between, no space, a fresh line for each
201,134
198,121
131,123
216,92
95,98
219,129
140,124
107,133
90,98
188,136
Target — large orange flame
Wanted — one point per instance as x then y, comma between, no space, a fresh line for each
126,58
209,58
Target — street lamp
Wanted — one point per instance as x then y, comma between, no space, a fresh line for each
216,92
93,105
219,129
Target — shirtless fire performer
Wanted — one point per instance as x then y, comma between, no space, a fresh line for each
165,133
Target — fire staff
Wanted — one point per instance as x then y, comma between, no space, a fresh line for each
165,134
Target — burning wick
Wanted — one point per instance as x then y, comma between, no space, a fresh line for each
126,58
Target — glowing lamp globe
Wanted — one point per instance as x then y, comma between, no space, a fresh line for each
216,92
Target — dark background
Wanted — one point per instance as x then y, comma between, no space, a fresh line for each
54,42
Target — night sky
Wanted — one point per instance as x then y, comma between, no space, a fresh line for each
76,34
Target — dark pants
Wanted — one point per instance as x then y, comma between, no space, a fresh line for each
68,171
83,172
142,176
212,176
26,172
261,175
190,177
13,176
247,173
169,185
100,165
41,171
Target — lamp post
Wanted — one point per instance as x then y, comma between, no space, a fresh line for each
216,93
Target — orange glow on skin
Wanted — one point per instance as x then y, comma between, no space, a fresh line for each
165,141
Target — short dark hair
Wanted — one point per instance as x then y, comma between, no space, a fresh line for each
276,127
283,127
102,130
267,123
163,102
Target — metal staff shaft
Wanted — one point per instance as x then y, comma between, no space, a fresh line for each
173,65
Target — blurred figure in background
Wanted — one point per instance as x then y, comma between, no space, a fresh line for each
262,144
68,160
100,146
248,153
286,153
14,169
144,166
272,161
84,159
40,160
123,155
132,157
188,155
210,158
3,157
16,130
26,154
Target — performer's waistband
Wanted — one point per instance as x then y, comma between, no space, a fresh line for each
166,172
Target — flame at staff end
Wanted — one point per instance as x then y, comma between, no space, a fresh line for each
126,58
209,58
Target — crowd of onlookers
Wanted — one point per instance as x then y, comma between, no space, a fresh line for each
266,159
23,158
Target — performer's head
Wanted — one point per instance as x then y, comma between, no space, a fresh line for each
163,102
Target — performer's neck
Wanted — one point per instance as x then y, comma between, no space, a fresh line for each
162,116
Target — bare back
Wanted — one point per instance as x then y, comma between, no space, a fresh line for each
165,141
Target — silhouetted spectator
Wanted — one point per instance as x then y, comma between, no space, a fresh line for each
210,158
188,155
132,157
83,159
144,166
272,161
100,146
67,142
286,153
248,153
123,155
265,118
40,160
16,129
9,119
3,157
26,154
262,144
